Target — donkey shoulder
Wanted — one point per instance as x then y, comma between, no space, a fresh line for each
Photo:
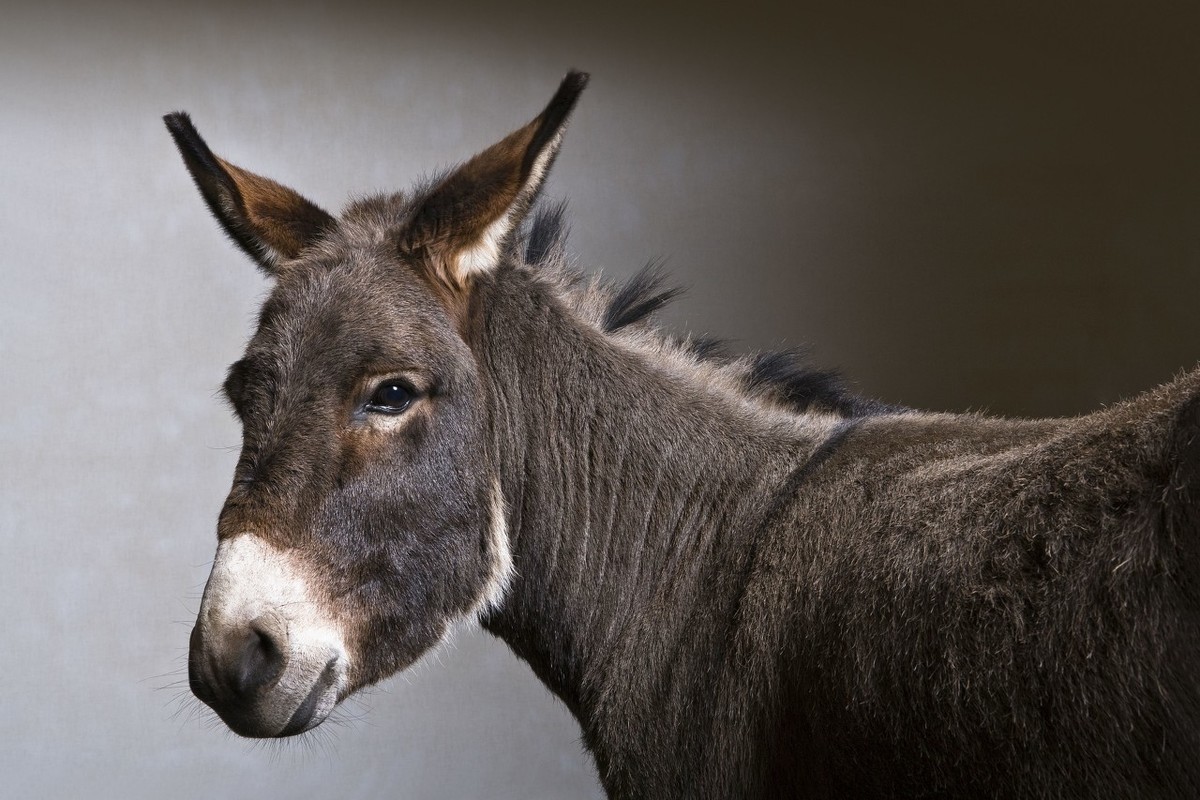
992,588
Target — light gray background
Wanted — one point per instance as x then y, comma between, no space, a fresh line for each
992,210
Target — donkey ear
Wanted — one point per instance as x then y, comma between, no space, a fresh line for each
269,221
460,227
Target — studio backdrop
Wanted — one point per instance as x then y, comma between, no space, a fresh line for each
995,210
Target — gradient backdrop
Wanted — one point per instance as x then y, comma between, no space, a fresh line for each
994,210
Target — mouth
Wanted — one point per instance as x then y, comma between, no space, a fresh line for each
317,705
289,706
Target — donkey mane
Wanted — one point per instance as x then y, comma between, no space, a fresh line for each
779,378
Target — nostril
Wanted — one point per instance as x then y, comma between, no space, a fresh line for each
259,660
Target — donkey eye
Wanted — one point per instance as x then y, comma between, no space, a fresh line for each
391,397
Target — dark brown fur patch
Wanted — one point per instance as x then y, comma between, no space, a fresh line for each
267,220
281,217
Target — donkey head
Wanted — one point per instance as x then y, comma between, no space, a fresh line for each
365,516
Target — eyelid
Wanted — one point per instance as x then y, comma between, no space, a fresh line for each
408,388
413,381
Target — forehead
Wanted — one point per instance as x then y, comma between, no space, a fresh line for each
352,296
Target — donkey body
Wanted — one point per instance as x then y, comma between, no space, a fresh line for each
742,581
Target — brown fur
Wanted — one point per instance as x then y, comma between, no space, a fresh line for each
279,216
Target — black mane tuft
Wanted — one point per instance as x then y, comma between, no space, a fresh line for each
708,348
546,237
804,388
640,297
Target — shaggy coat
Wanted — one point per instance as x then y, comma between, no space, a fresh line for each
742,580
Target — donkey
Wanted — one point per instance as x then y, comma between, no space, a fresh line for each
741,579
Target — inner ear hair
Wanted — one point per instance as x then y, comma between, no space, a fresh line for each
461,226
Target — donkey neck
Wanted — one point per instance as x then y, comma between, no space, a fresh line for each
632,488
